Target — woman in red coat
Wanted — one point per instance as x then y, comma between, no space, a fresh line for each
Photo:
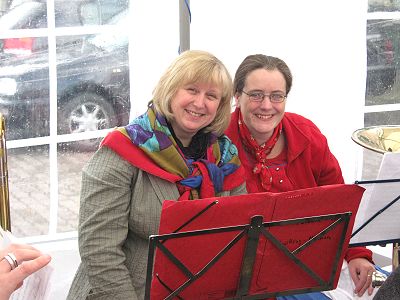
283,151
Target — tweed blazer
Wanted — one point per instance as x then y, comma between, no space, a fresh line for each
120,208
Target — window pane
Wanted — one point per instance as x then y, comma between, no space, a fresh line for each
29,190
24,96
382,118
70,164
383,59
93,82
65,13
78,12
29,14
100,11
383,5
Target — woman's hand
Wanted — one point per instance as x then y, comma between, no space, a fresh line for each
361,273
12,273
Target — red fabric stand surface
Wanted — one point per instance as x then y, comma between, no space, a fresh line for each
273,271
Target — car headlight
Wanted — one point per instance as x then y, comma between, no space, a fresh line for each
8,86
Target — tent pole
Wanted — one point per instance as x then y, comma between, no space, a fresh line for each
184,25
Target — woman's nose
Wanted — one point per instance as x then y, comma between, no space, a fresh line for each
199,99
266,103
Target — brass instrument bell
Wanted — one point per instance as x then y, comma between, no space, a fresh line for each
380,139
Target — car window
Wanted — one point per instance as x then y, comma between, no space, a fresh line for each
110,40
101,11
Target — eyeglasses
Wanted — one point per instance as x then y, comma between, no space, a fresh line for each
259,97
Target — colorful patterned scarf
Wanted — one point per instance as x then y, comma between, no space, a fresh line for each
148,144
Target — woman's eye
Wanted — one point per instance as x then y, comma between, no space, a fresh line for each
191,90
212,97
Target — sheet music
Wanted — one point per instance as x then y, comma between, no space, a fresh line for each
385,226
37,285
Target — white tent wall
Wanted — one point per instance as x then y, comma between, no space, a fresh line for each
154,43
323,43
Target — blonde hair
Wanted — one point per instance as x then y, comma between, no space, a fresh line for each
195,66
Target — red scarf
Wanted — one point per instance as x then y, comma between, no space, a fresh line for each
259,152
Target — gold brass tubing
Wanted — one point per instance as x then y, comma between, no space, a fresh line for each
395,256
4,193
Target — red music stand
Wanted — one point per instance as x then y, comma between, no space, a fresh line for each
252,246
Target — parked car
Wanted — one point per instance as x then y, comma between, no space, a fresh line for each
92,87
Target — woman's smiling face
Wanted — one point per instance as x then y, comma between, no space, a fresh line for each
194,107
262,117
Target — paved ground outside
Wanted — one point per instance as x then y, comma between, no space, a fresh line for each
29,190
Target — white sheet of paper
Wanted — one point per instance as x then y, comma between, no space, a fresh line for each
35,286
386,226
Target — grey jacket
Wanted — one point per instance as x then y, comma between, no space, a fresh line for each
390,289
120,208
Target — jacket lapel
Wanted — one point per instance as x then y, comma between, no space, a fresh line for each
164,190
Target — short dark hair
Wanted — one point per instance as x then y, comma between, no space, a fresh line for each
260,61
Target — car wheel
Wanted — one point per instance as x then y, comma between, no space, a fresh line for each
86,112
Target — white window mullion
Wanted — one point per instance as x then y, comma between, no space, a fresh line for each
381,108
53,213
